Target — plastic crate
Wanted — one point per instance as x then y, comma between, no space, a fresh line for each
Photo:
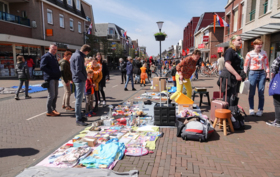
164,115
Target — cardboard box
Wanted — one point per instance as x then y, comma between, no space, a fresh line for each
156,84
92,142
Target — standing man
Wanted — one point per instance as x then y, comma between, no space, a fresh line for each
198,64
221,63
129,73
49,65
79,76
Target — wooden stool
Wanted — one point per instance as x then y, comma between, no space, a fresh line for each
223,118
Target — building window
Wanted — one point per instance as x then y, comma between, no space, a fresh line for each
61,21
235,19
50,16
111,31
79,27
78,4
242,15
70,2
253,10
71,24
228,21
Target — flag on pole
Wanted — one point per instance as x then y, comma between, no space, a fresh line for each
89,29
124,34
221,22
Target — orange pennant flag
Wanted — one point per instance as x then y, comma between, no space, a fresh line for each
215,18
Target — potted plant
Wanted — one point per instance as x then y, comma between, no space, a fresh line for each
160,36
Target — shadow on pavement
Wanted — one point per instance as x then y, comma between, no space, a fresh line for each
18,151
214,137
270,116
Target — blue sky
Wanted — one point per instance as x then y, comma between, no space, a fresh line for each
139,18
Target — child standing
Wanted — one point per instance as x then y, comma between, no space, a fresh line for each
23,75
173,73
89,91
144,75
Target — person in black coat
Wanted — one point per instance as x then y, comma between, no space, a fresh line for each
49,65
102,83
136,70
123,70
23,76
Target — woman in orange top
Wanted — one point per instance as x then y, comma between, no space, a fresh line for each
96,79
143,75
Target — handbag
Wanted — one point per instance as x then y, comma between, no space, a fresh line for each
274,88
244,87
45,84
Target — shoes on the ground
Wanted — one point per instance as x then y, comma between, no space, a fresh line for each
122,83
275,123
52,114
133,89
104,102
81,123
28,97
144,85
83,119
252,112
125,89
63,107
69,108
17,98
57,113
259,113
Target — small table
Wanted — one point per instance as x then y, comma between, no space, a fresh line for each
201,95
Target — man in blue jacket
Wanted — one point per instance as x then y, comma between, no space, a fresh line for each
79,76
49,65
129,73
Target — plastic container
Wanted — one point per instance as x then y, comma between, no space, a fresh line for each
183,99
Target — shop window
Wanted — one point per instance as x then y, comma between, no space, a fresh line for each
50,16
71,24
35,54
6,60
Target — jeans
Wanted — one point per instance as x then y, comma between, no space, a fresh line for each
196,73
52,97
30,69
188,86
220,72
127,80
67,94
276,102
80,88
257,79
123,77
26,82
137,78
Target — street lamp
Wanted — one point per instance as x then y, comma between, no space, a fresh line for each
160,23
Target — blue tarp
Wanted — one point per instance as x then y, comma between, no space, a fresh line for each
36,88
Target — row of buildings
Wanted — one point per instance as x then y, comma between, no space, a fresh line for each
28,27
250,19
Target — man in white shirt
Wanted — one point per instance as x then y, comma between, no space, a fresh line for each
221,63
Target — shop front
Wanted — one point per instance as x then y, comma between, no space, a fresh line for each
7,62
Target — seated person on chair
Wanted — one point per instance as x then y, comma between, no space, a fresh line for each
185,70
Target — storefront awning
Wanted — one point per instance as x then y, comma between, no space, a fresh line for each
224,44
276,15
263,30
204,50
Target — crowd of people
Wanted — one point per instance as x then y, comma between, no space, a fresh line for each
88,76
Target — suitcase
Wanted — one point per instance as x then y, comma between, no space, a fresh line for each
218,104
164,114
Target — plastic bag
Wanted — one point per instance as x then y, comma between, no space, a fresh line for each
244,87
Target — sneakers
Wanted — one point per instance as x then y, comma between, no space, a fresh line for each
17,98
28,97
69,108
104,103
259,113
56,113
133,89
83,119
125,89
81,123
273,124
251,112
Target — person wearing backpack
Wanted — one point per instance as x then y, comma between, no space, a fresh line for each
276,98
23,76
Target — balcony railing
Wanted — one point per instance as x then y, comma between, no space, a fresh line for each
14,19
265,7
252,14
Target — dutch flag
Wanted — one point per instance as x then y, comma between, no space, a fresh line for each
221,22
